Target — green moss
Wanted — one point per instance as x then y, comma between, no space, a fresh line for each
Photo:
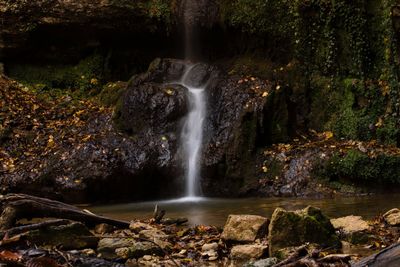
347,59
359,168
111,93
86,76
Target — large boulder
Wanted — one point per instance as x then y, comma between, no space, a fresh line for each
244,228
294,228
152,109
235,119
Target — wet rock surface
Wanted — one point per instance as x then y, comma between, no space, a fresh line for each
235,107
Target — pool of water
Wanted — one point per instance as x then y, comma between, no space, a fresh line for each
211,211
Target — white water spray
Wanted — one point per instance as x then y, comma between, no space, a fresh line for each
192,136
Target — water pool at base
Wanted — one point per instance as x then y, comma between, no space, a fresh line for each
212,211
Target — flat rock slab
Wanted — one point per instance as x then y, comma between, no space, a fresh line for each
353,229
247,252
295,228
350,224
107,246
140,249
244,228
268,262
392,217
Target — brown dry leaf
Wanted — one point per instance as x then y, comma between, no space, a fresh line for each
9,256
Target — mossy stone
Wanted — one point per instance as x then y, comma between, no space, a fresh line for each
295,228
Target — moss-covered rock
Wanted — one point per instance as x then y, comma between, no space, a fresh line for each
295,228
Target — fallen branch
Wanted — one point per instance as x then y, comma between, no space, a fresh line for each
20,206
25,228
300,253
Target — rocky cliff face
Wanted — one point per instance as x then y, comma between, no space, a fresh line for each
236,118
21,19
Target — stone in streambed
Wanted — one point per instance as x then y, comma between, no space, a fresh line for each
244,228
392,217
295,228
210,250
153,234
139,249
137,226
107,246
353,228
247,252
269,262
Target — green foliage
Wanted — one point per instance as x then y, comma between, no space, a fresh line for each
86,76
363,169
347,55
159,9
250,15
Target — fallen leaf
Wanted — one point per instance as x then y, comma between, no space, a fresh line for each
10,256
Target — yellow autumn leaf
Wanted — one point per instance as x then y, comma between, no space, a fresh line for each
265,94
50,142
328,135
379,123
86,138
265,169
94,81
169,91
79,112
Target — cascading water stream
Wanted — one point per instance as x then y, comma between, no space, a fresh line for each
192,135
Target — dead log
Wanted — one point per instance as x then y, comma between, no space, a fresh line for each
390,256
21,206
35,226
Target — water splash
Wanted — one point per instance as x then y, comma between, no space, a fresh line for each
192,135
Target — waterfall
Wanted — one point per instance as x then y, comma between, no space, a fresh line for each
192,135
192,131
